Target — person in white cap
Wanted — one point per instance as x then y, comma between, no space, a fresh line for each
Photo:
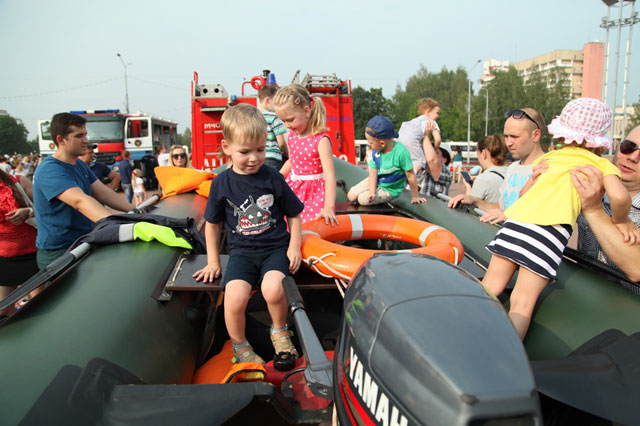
540,223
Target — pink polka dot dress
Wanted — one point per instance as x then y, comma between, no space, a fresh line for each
306,178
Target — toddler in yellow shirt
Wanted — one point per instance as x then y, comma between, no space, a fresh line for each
540,223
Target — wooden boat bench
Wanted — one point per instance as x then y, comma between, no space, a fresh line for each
181,277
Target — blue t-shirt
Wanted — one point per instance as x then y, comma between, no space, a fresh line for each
253,208
275,127
102,171
125,170
59,224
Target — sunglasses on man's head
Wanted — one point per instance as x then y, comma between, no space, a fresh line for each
176,156
628,147
518,114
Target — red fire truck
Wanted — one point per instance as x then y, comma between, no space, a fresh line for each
209,101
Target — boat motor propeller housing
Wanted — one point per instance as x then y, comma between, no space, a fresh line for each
428,346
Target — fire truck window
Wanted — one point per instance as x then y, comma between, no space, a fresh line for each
144,128
133,130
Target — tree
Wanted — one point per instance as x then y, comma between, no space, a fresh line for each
185,138
13,136
368,104
449,88
633,119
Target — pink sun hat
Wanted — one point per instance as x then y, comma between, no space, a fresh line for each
583,119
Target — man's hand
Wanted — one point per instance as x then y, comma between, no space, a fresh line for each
430,126
418,200
493,216
588,182
458,199
209,273
295,259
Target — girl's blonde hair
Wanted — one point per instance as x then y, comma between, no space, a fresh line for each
137,172
296,96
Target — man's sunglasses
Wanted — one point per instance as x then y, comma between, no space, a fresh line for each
518,114
627,147
176,156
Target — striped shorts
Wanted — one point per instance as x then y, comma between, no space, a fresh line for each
536,247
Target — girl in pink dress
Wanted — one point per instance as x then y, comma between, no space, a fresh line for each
309,171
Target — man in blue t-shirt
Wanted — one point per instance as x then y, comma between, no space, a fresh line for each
64,189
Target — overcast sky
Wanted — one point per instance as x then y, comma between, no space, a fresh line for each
61,55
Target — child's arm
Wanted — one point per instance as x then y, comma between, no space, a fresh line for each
329,171
413,185
293,252
373,183
282,144
434,166
620,205
286,168
212,271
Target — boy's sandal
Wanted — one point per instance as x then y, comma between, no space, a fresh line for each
282,342
246,354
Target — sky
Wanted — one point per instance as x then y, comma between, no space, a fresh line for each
62,55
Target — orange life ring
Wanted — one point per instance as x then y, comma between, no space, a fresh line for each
321,254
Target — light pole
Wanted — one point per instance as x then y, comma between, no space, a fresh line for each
486,112
126,85
469,113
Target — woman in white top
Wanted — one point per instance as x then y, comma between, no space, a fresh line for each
492,156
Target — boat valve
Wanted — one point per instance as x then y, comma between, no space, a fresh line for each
284,361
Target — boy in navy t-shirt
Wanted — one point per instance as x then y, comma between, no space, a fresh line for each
251,201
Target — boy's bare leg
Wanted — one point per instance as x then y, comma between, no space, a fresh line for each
273,294
498,274
523,299
236,298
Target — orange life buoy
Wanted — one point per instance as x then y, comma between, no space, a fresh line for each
321,254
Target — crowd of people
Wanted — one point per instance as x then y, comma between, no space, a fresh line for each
281,166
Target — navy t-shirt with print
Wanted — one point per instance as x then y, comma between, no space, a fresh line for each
253,208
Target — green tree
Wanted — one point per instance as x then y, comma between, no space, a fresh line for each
185,138
13,136
368,104
633,119
448,87
548,94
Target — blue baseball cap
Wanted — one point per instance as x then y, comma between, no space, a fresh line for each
381,127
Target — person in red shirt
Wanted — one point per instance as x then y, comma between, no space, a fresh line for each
17,238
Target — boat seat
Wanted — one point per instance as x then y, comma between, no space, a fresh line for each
346,207
181,277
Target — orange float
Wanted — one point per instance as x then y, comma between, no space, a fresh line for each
320,253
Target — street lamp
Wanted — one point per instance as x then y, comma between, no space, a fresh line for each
469,113
126,85
486,112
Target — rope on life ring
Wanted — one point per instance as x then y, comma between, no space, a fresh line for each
329,259
258,81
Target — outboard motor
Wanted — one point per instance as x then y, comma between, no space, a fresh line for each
423,343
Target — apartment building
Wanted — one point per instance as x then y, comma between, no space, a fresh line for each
580,70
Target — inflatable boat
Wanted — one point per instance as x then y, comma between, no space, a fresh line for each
112,339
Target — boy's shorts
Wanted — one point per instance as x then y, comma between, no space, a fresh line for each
252,267
362,189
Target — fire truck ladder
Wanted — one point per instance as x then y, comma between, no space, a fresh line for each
317,81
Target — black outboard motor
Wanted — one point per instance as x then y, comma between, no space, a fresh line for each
423,343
